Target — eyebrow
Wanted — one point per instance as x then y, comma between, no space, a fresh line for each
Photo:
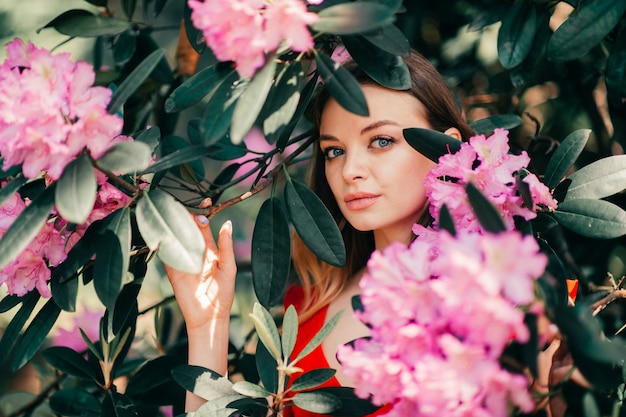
366,129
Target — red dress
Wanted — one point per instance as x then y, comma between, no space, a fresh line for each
315,359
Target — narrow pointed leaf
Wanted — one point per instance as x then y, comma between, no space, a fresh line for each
35,334
266,367
64,293
317,402
126,310
592,218
565,156
75,402
314,223
76,190
219,109
485,212
600,179
312,379
386,69
166,225
126,157
430,143
134,80
503,121
176,158
10,188
251,390
349,18
445,221
319,336
251,101
290,331
26,226
283,100
12,331
267,330
69,361
342,85
271,253
9,302
391,39
195,88
517,33
97,352
81,23
129,8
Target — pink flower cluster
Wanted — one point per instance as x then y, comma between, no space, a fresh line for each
244,30
441,312
487,163
49,111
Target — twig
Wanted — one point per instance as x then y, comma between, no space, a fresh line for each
601,304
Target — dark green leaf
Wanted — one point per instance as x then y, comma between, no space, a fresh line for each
81,23
125,313
485,212
98,3
314,223
489,124
592,218
196,88
250,390
281,138
166,225
129,8
9,302
565,156
76,190
27,225
203,382
251,101
590,406
126,157
516,35
224,150
118,405
176,158
357,304
391,39
10,188
266,367
80,253
134,80
386,69
488,15
616,72
283,99
222,179
219,109
150,136
195,36
266,329
319,336
64,293
13,329
124,47
584,29
342,85
158,6
271,253
69,361
357,17
12,171
290,331
430,143
151,375
445,221
312,379
75,402
317,402
599,179
351,405
35,334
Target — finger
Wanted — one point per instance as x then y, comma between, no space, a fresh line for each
207,235
226,248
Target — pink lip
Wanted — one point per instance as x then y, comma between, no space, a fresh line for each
360,201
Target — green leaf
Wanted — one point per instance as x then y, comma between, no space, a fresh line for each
592,218
203,382
516,35
81,23
283,99
391,39
12,403
616,72
9,302
267,367
342,85
267,330
317,402
118,405
221,180
75,402
64,293
489,124
126,308
129,8
80,254
351,405
251,390
565,156
112,257
134,80
319,337
196,88
12,331
251,101
281,138
167,226
431,143
487,215
35,334
218,112
124,47
152,374
357,17
290,331
314,223
95,350
599,179
271,253
178,157
27,225
584,29
126,157
445,221
386,69
150,136
69,361
312,379
76,190
10,188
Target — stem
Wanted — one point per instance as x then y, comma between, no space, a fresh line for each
603,303
117,181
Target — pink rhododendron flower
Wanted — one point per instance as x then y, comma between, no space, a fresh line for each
243,31
441,313
88,321
486,163
49,111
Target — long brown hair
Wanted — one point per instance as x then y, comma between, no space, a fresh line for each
323,282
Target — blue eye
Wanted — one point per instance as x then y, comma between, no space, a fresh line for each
332,153
382,142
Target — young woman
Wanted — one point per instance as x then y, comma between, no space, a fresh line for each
371,179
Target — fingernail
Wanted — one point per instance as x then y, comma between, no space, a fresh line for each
228,226
202,219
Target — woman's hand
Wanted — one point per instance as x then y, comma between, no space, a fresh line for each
207,296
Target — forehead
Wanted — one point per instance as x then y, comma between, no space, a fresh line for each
400,107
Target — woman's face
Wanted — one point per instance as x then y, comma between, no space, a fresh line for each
375,175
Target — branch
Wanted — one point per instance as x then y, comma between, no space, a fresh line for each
603,303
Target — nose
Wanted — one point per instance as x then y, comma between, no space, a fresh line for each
355,167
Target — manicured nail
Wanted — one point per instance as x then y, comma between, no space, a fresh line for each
228,226
202,219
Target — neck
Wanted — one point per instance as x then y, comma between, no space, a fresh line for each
384,238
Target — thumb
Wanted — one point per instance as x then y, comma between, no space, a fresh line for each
225,248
